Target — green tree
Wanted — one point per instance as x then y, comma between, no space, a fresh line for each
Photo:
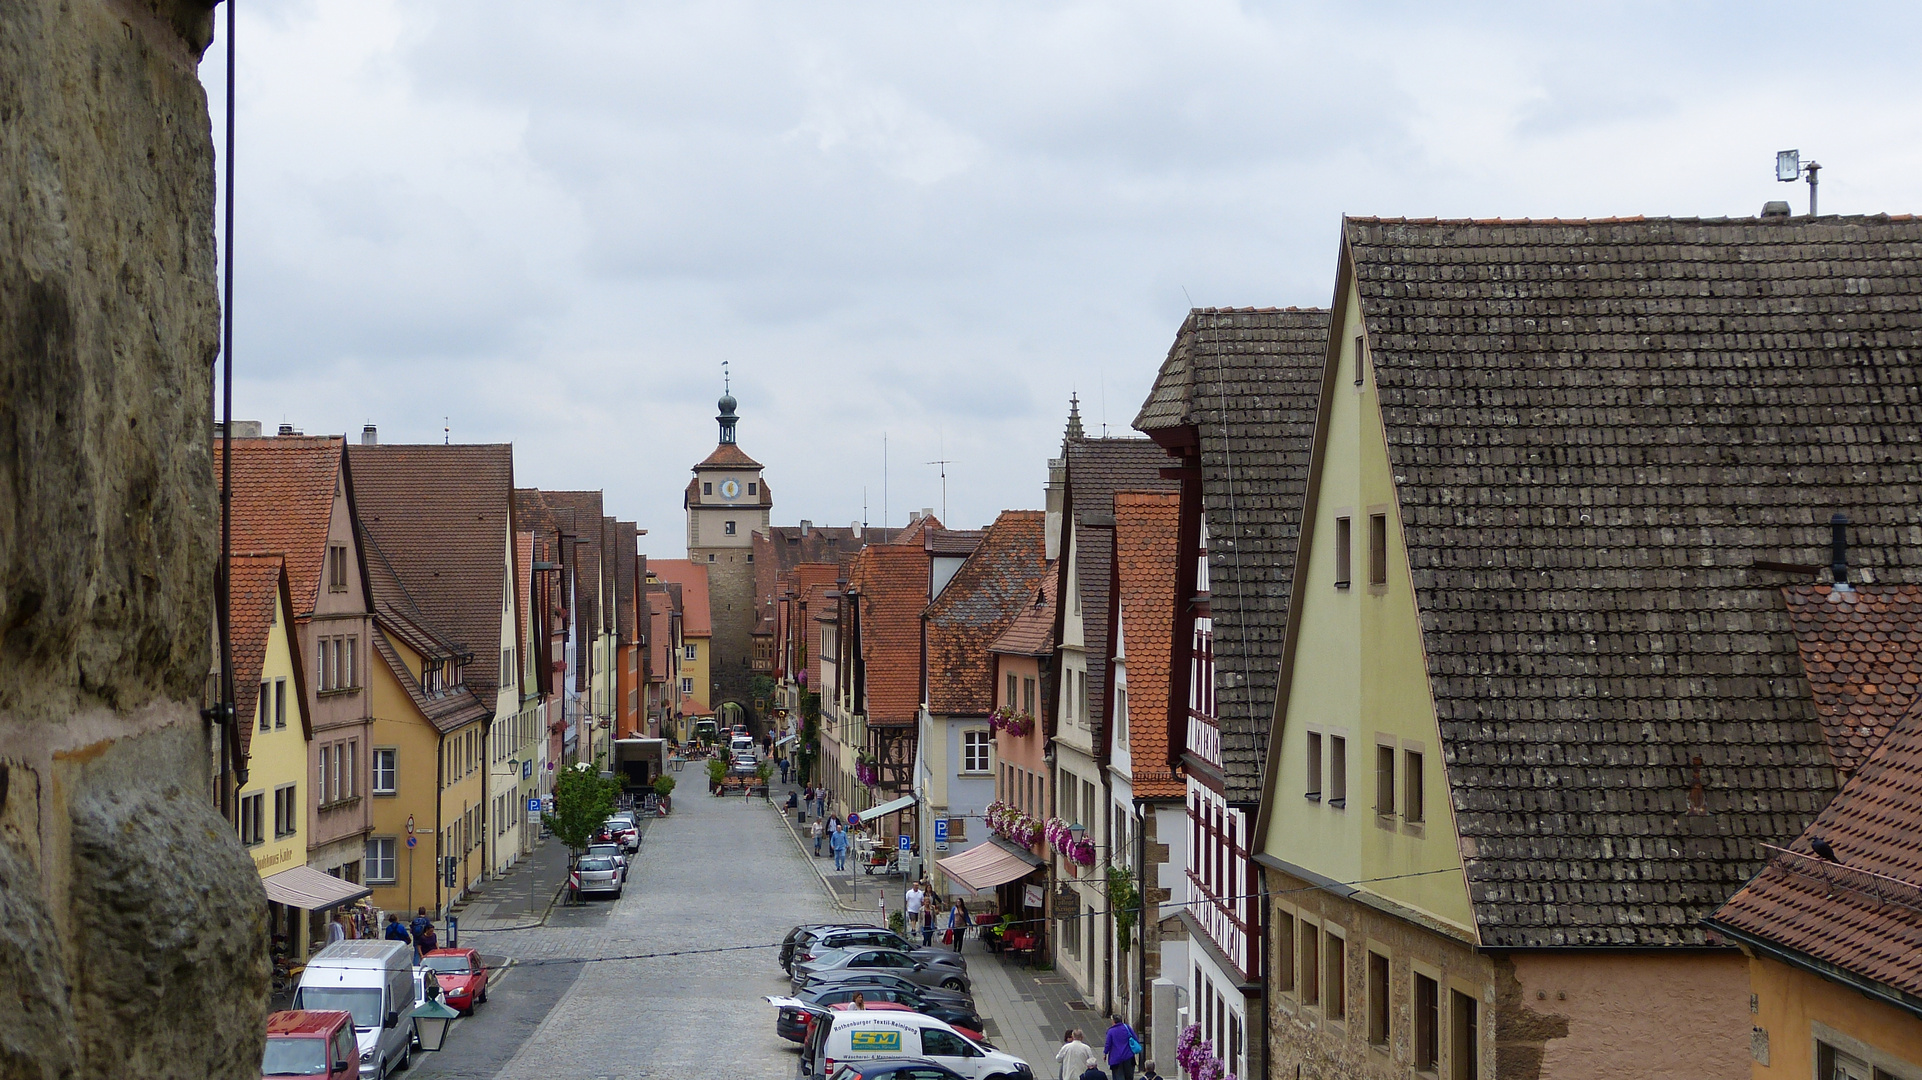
716,772
582,801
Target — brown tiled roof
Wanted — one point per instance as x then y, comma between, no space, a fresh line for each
727,456
523,582
660,609
1031,632
446,711
442,516
893,584
395,610
1596,430
1864,915
696,621
952,543
1246,381
256,589
1862,652
283,502
1097,468
990,589
1145,536
583,560
917,530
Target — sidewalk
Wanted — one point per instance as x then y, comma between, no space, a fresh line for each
1026,1009
520,897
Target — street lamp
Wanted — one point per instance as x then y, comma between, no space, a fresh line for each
431,1022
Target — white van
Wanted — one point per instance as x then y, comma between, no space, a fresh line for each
742,744
871,1036
374,980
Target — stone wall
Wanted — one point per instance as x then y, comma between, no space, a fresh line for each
131,922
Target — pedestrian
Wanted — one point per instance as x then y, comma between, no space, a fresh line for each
817,831
958,924
427,939
420,924
1121,1046
929,908
784,770
839,845
1148,1072
859,1001
911,910
397,930
793,800
821,801
1094,1073
336,928
1075,1057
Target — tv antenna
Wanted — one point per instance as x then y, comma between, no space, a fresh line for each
447,431
944,463
1789,169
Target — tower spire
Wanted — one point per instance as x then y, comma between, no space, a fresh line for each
1074,417
727,403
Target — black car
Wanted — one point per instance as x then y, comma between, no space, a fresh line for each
886,980
794,936
947,1012
829,939
895,1069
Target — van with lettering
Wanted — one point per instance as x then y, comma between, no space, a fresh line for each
374,980
868,1035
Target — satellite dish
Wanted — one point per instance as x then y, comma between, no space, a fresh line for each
1788,165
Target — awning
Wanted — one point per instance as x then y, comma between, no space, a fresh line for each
985,866
786,740
876,813
309,889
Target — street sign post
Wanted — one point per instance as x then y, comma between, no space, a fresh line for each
905,845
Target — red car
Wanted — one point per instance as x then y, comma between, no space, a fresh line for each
311,1044
463,977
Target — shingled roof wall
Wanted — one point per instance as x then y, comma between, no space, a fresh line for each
1246,382
892,581
1146,580
1596,429
996,583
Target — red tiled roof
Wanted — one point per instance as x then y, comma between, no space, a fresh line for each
441,515
696,620
1145,538
727,456
283,503
1865,914
952,542
446,711
892,580
985,595
917,530
1031,633
256,589
1862,653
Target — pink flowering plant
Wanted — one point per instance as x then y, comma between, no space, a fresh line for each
1196,1056
1007,821
1006,719
865,772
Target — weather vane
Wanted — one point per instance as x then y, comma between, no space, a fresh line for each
726,386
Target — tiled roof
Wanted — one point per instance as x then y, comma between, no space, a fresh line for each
696,621
283,502
396,612
660,638
1596,430
1862,653
952,543
727,456
1031,633
1146,531
441,516
917,530
893,583
1097,468
584,561
990,589
523,582
446,711
1864,915
256,589
779,549
1246,382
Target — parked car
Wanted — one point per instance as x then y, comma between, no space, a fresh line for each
463,977
794,1019
886,980
961,1016
622,830
895,1069
843,1036
795,935
944,976
872,937
610,851
596,874
318,1042
373,980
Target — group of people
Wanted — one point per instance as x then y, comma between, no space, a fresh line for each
1120,1050
924,915
419,933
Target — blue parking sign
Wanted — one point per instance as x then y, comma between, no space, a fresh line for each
940,830
904,843
534,805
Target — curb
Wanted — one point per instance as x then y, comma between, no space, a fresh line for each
800,845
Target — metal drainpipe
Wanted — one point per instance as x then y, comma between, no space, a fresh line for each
1141,910
440,785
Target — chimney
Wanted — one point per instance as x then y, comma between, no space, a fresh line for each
806,526
1052,493
914,516
369,437
854,529
1775,210
1839,550
286,429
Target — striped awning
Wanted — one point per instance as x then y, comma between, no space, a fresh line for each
984,866
309,889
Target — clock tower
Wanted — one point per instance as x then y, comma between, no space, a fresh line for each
726,501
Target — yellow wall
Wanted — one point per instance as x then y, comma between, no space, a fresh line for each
1796,1008
399,725
279,756
697,670
1359,672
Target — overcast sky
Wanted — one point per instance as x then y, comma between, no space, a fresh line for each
550,223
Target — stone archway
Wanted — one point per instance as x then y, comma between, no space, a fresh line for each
729,713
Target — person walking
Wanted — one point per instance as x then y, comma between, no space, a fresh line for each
397,931
817,831
957,924
839,845
336,929
1075,1057
911,910
1148,1072
929,905
784,769
1121,1046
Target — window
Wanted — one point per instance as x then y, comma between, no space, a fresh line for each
1377,999
326,764
1463,1050
753,488
280,703
1342,548
380,859
974,751
351,674
1361,358
1411,784
1011,698
1313,790
337,568
252,807
323,671
1334,999
1834,1064
350,788
1378,549
707,487
386,770
1027,696
1337,771
687,687
1121,716
692,652
266,707
957,828
1284,939
1310,953
1385,781
710,556
727,528
286,810
507,667
1427,1023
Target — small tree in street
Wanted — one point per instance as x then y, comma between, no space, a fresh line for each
582,801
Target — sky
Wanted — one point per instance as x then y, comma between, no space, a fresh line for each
914,230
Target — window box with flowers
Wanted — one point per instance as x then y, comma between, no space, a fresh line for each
1017,725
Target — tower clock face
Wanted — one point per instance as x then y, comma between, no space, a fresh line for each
730,489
